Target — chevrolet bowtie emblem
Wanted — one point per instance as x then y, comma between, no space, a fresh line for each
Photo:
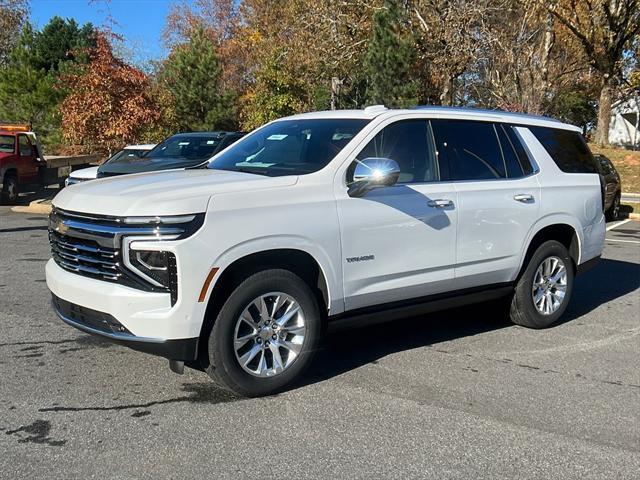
62,228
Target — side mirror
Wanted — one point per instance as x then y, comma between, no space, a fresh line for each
373,172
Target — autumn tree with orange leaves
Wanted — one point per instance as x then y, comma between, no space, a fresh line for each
109,103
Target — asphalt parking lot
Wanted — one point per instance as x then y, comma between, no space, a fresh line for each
459,394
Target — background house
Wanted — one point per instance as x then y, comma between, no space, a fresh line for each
625,123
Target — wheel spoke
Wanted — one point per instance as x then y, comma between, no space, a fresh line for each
250,355
241,341
288,315
262,364
278,365
296,329
292,347
278,302
262,308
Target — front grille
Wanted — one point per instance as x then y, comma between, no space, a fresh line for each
91,246
85,257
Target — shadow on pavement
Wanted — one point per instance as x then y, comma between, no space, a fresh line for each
351,349
609,280
42,194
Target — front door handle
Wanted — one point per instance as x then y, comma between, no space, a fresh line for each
440,203
523,198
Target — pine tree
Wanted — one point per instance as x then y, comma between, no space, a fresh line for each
388,60
192,75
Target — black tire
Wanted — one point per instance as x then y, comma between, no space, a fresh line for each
523,310
9,194
613,213
225,369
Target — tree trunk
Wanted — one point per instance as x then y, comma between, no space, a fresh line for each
604,111
448,92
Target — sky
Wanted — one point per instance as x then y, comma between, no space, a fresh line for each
140,22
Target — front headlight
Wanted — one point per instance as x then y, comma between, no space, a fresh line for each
156,267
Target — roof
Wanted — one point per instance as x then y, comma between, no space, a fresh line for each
370,113
218,133
144,146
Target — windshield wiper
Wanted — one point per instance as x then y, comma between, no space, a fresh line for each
256,171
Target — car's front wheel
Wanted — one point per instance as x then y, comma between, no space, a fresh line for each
543,291
265,334
9,194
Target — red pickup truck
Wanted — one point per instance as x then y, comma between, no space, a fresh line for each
22,164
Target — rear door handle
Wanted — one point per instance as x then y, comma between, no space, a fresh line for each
440,203
524,198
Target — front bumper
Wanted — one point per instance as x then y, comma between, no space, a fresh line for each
104,325
142,320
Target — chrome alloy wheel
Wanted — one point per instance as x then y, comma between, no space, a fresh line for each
549,285
269,334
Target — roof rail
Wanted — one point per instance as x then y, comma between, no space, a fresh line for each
375,109
484,110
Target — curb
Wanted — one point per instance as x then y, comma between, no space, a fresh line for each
633,195
37,206
634,216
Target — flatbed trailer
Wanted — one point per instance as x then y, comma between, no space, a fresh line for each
24,166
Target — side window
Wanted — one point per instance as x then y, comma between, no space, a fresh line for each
471,149
516,143
567,148
25,146
514,169
409,143
7,143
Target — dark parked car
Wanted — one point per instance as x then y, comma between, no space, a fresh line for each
182,150
611,186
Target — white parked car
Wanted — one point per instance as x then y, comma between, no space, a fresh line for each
91,173
323,219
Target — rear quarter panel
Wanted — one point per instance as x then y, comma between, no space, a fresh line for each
574,199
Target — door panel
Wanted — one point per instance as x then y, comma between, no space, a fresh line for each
494,220
26,161
497,202
398,242
395,245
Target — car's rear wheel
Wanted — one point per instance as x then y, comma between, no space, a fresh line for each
543,290
265,334
9,194
614,210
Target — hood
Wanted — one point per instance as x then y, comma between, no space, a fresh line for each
128,165
85,173
172,192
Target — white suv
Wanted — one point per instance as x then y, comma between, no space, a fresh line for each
323,219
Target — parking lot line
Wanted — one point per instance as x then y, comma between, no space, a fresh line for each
621,241
617,224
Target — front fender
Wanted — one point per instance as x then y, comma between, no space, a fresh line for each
283,242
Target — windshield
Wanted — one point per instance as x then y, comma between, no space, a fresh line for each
7,143
289,147
188,147
179,151
126,155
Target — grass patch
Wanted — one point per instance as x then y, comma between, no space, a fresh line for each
627,162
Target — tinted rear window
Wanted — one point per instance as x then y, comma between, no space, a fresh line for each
568,149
